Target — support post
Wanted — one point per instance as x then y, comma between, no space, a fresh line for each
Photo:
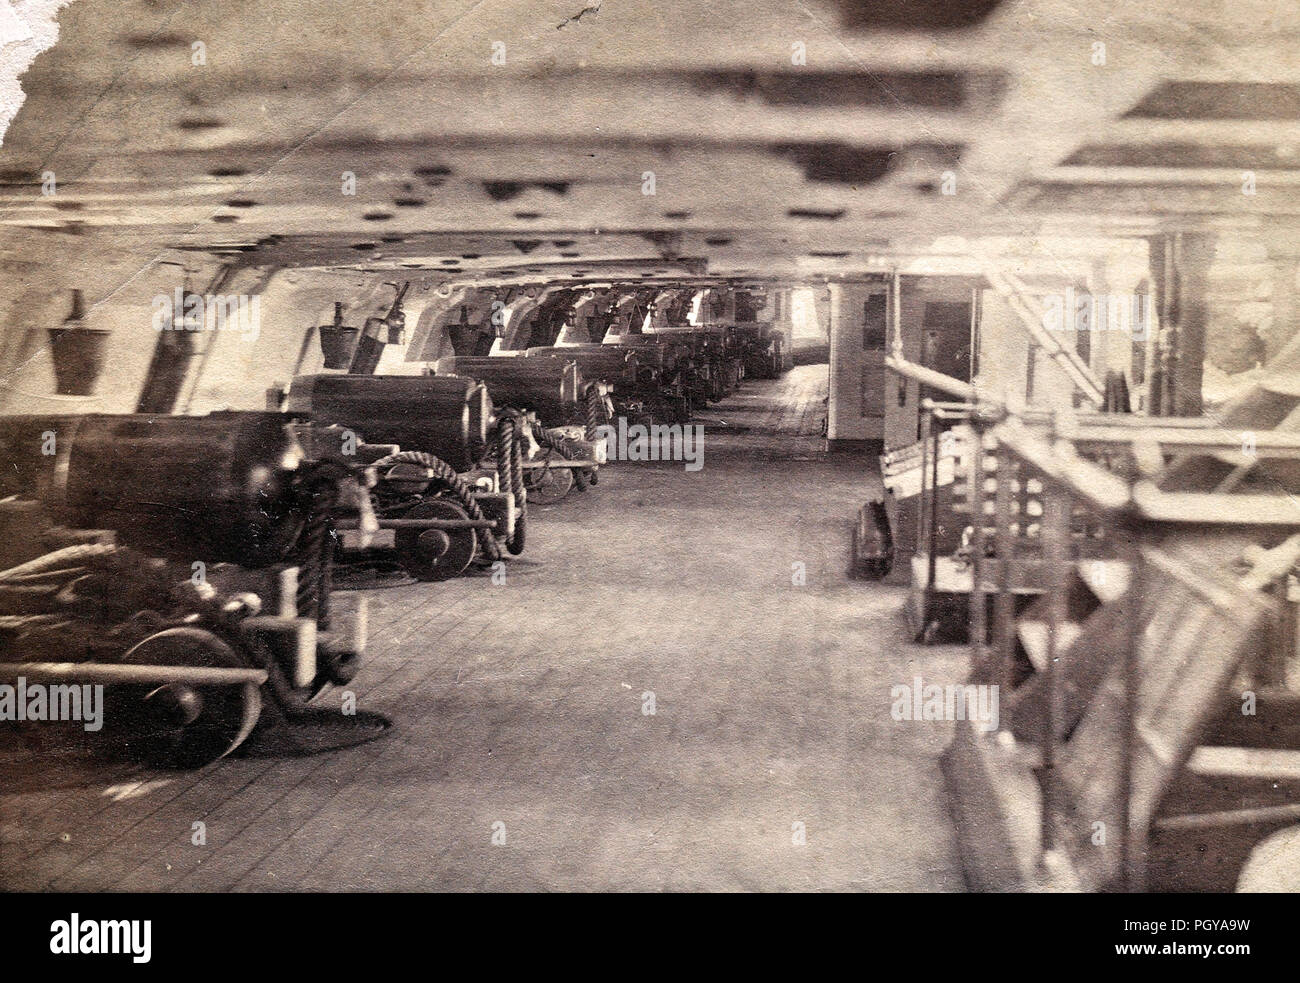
1056,553
978,603
1132,853
1005,548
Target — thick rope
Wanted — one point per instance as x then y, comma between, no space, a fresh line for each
68,556
314,553
510,439
595,406
568,449
446,475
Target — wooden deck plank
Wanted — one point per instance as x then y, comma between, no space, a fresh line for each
309,803
34,821
230,818
94,829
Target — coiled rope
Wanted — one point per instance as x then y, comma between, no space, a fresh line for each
446,476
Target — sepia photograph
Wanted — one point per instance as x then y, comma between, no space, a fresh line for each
608,447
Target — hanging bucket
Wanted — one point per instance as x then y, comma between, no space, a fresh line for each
337,344
78,359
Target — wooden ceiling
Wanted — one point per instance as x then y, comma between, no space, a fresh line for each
760,166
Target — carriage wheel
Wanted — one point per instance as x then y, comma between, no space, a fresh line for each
435,554
547,486
179,725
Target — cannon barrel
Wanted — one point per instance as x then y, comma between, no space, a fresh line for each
649,354
217,488
551,387
230,487
444,415
34,451
597,363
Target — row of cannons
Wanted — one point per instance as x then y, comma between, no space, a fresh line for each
185,564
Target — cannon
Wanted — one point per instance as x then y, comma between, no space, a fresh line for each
634,376
186,567
448,416
660,392
551,387
702,362
448,467
565,410
719,357
760,350
697,375
601,363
